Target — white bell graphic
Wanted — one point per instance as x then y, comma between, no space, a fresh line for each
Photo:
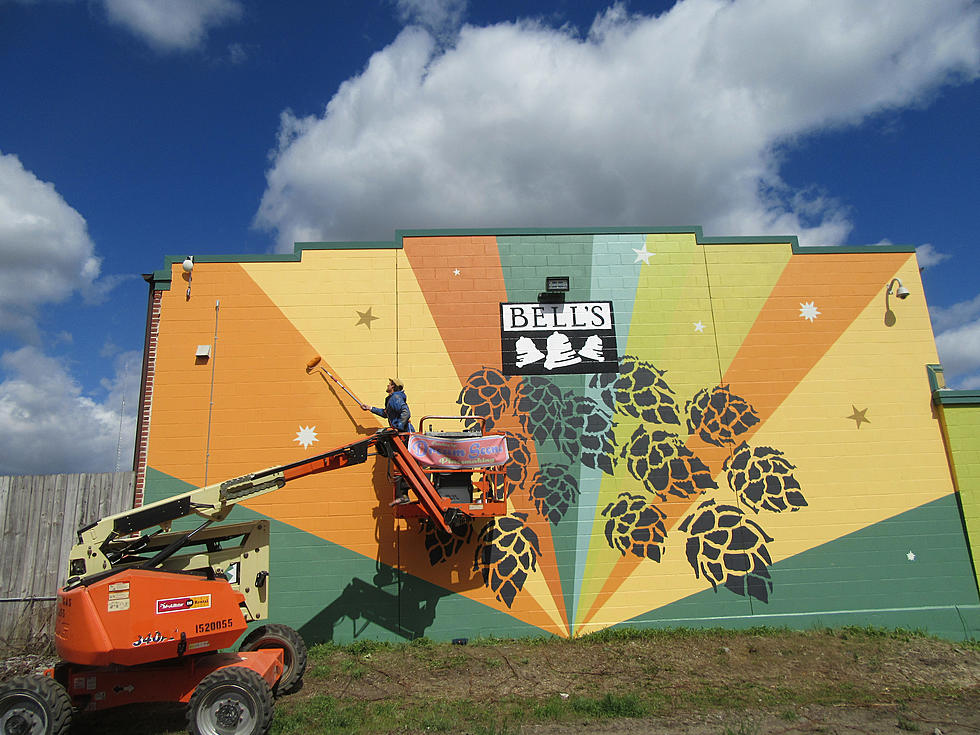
592,349
527,352
560,352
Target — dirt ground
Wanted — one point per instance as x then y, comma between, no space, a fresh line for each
717,683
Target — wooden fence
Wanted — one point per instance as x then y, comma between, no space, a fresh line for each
39,517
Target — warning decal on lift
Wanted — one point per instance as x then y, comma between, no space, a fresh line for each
118,596
177,604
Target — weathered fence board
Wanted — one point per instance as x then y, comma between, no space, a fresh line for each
39,515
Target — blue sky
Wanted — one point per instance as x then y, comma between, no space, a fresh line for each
135,129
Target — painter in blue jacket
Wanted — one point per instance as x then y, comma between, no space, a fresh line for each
396,407
398,415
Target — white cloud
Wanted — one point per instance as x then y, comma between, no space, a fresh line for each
48,426
959,352
955,316
669,120
928,256
440,17
45,250
172,24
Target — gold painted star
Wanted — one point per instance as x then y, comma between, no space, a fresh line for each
366,317
859,417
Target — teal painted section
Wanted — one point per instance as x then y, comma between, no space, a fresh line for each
864,578
615,275
329,593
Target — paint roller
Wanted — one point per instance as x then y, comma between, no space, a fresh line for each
314,364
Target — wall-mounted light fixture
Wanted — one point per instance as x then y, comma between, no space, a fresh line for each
188,266
555,288
901,291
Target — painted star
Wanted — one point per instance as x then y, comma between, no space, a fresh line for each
809,311
643,254
456,272
366,317
698,327
859,417
910,556
306,436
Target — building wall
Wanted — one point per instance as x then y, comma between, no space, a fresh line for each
960,415
766,454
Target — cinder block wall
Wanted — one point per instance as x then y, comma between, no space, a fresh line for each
960,412
764,450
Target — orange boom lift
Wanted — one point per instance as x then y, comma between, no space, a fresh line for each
147,610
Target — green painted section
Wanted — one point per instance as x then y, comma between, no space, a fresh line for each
526,261
329,593
864,578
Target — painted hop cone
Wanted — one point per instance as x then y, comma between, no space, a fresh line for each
718,415
603,383
518,463
664,464
553,491
642,392
539,407
507,552
441,545
596,441
763,479
729,549
635,526
486,393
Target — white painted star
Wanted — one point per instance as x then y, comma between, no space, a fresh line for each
698,327
910,556
456,272
643,254
306,436
809,311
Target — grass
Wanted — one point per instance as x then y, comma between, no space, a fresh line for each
499,686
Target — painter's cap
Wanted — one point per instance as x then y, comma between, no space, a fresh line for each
398,383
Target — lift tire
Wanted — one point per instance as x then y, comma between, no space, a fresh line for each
275,635
230,701
34,705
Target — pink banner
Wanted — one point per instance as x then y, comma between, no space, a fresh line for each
458,453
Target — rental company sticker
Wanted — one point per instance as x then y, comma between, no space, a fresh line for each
178,604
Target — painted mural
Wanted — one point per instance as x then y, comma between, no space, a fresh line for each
725,432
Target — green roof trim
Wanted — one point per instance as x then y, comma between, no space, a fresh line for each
943,396
161,278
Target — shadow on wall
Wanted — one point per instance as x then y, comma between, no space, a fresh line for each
398,602
405,609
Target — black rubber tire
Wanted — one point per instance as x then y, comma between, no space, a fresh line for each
275,635
231,701
34,705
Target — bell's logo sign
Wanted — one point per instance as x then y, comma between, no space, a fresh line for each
558,338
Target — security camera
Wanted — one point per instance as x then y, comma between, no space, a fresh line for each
901,292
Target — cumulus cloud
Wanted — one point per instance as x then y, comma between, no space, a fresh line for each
45,250
47,424
955,316
676,119
928,256
175,24
441,17
959,352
